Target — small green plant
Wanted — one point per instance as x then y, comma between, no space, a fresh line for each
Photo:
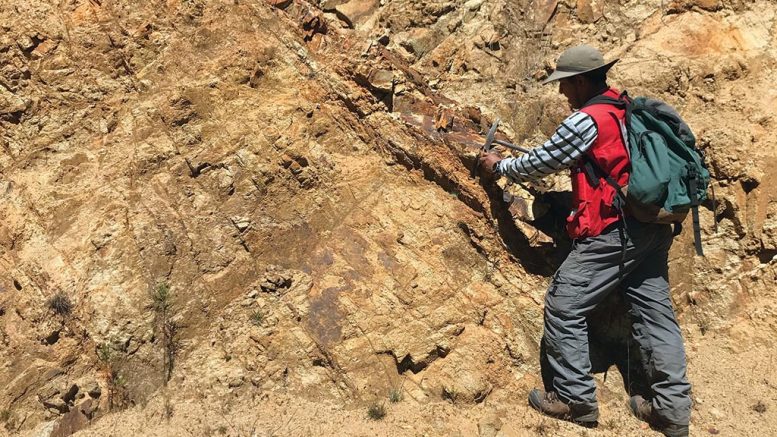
222,429
450,394
5,415
257,318
395,395
376,411
161,297
161,302
104,352
759,407
60,304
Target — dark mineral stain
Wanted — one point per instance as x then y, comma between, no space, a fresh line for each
325,316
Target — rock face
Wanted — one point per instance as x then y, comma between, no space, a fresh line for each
263,207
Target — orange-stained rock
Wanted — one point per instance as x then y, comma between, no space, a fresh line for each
305,189
444,119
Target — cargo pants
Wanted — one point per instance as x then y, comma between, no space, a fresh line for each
586,277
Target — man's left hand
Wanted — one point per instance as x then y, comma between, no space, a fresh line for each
488,163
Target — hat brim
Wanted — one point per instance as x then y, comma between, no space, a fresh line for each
561,74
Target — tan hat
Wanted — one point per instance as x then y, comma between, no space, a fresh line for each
578,60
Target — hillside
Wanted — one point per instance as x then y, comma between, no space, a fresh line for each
257,217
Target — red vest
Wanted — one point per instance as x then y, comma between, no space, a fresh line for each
592,207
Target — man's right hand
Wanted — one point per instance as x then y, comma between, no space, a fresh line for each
488,163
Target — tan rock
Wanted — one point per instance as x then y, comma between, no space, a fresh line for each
329,5
10,103
543,11
590,11
395,268
490,425
356,12
419,41
382,80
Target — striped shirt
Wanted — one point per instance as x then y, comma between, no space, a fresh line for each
572,138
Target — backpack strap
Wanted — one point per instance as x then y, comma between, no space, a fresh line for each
693,190
591,167
622,102
594,171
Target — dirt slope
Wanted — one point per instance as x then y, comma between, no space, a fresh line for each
240,217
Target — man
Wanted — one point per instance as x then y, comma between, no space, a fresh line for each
609,253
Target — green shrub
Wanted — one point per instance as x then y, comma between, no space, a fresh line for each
376,411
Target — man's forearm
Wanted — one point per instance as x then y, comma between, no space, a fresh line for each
572,138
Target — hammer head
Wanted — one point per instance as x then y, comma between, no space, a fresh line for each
490,136
486,146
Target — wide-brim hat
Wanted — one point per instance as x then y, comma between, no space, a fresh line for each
578,60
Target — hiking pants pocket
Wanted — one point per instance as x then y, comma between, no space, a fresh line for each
569,286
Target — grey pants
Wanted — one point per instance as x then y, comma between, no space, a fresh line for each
587,276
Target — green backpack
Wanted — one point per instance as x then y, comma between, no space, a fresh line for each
668,175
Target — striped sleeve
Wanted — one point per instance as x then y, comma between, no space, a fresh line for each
572,138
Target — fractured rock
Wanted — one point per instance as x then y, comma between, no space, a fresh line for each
56,403
590,11
241,223
313,23
93,389
473,5
381,80
329,5
419,41
681,5
76,419
25,43
10,103
356,12
274,281
280,4
443,120
543,11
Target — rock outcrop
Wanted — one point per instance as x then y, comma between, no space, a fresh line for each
241,216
